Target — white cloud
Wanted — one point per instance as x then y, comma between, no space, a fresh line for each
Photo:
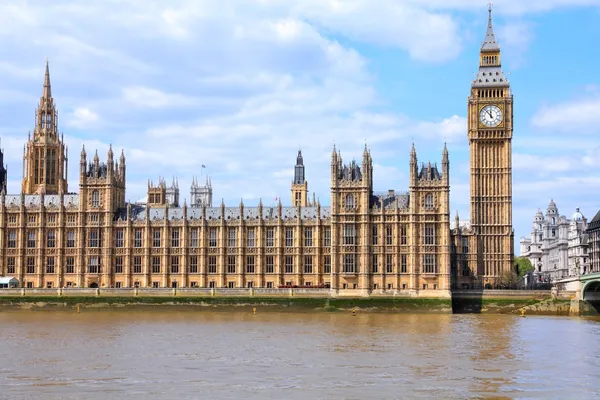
82,117
546,164
580,116
140,96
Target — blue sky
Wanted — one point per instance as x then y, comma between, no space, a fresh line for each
239,85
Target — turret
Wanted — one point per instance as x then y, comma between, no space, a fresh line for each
445,165
413,166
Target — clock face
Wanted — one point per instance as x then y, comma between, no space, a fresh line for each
490,115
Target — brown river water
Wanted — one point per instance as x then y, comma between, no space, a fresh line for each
278,355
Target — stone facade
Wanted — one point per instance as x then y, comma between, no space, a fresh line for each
482,250
558,246
364,240
594,243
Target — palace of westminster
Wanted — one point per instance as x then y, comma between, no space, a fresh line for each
52,237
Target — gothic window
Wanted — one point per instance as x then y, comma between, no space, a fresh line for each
231,264
350,201
289,265
10,265
327,265
119,238
327,237
156,238
95,198
269,268
429,201
429,264
70,268
429,234
231,237
349,234
251,237
250,264
93,265
174,264
118,265
94,238
156,265
308,264
289,237
137,265
389,263
212,264
50,265
193,264
138,238
194,238
375,235
553,220
403,263
402,234
12,239
51,239
270,237
175,237
375,263
31,239
308,239
389,235
212,240
465,245
31,265
349,263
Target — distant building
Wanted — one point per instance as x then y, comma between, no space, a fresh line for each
593,232
3,177
201,195
558,246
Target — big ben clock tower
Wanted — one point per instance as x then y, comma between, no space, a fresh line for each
490,124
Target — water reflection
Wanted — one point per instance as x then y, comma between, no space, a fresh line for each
159,355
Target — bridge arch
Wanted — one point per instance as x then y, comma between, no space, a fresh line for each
591,291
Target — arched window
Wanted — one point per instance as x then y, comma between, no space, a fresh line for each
553,220
95,199
429,200
349,201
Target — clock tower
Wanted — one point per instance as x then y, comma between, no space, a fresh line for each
490,125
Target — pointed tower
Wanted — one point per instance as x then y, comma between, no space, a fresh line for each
45,163
201,195
3,177
172,193
299,184
490,125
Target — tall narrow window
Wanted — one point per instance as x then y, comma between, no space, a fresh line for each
429,264
429,201
327,265
289,237
193,264
349,263
231,237
308,264
194,238
289,265
375,264
156,238
212,239
403,263
375,236
174,264
10,265
70,238
12,239
327,237
94,238
119,238
231,264
118,265
270,237
349,234
389,235
308,237
138,238
156,265
250,264
429,234
93,265
137,265
389,263
31,239
31,265
212,264
50,265
350,201
251,238
70,265
95,198
175,237
402,234
269,265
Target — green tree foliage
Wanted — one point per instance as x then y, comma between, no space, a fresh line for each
523,266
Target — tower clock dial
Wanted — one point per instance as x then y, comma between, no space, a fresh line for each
490,115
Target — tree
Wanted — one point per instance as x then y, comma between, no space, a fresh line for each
523,266
507,280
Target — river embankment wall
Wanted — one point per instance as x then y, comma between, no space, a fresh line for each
296,299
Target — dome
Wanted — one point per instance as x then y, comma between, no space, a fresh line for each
577,216
552,207
539,216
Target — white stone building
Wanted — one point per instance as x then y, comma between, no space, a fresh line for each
558,246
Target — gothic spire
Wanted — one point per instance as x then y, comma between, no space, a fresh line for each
47,92
490,43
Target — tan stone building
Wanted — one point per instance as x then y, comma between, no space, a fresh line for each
482,250
364,241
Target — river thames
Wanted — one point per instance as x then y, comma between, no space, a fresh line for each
277,355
